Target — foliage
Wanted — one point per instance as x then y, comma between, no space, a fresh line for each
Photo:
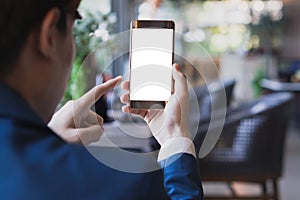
93,29
260,74
267,29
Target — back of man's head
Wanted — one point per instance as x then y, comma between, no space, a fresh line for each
17,20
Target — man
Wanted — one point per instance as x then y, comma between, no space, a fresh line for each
48,162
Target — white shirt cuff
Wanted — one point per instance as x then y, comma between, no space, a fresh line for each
174,146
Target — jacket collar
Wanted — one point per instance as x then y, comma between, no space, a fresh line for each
13,105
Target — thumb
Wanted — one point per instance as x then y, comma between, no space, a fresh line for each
180,81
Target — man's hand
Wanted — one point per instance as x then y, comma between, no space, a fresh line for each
75,122
171,122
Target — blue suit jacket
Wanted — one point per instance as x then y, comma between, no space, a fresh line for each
37,164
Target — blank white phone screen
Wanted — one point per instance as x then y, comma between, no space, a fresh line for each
151,64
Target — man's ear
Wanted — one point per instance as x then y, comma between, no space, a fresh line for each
48,34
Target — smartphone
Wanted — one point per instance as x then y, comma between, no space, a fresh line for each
151,60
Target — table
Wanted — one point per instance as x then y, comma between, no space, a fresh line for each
277,86
127,135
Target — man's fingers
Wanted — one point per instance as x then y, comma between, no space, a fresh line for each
125,85
126,109
90,134
141,113
94,94
124,98
94,119
180,81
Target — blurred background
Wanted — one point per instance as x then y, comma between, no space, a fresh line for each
254,43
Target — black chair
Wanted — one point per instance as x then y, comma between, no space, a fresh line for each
207,99
217,94
251,146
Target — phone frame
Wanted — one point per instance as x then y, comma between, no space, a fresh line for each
151,24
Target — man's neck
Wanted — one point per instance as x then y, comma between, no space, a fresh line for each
30,88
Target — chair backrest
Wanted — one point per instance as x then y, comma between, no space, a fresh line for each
215,95
254,134
206,101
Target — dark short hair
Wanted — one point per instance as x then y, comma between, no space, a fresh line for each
17,19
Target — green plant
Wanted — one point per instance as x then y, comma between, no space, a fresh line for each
89,32
260,74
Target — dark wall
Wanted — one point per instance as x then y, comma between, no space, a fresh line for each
291,37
